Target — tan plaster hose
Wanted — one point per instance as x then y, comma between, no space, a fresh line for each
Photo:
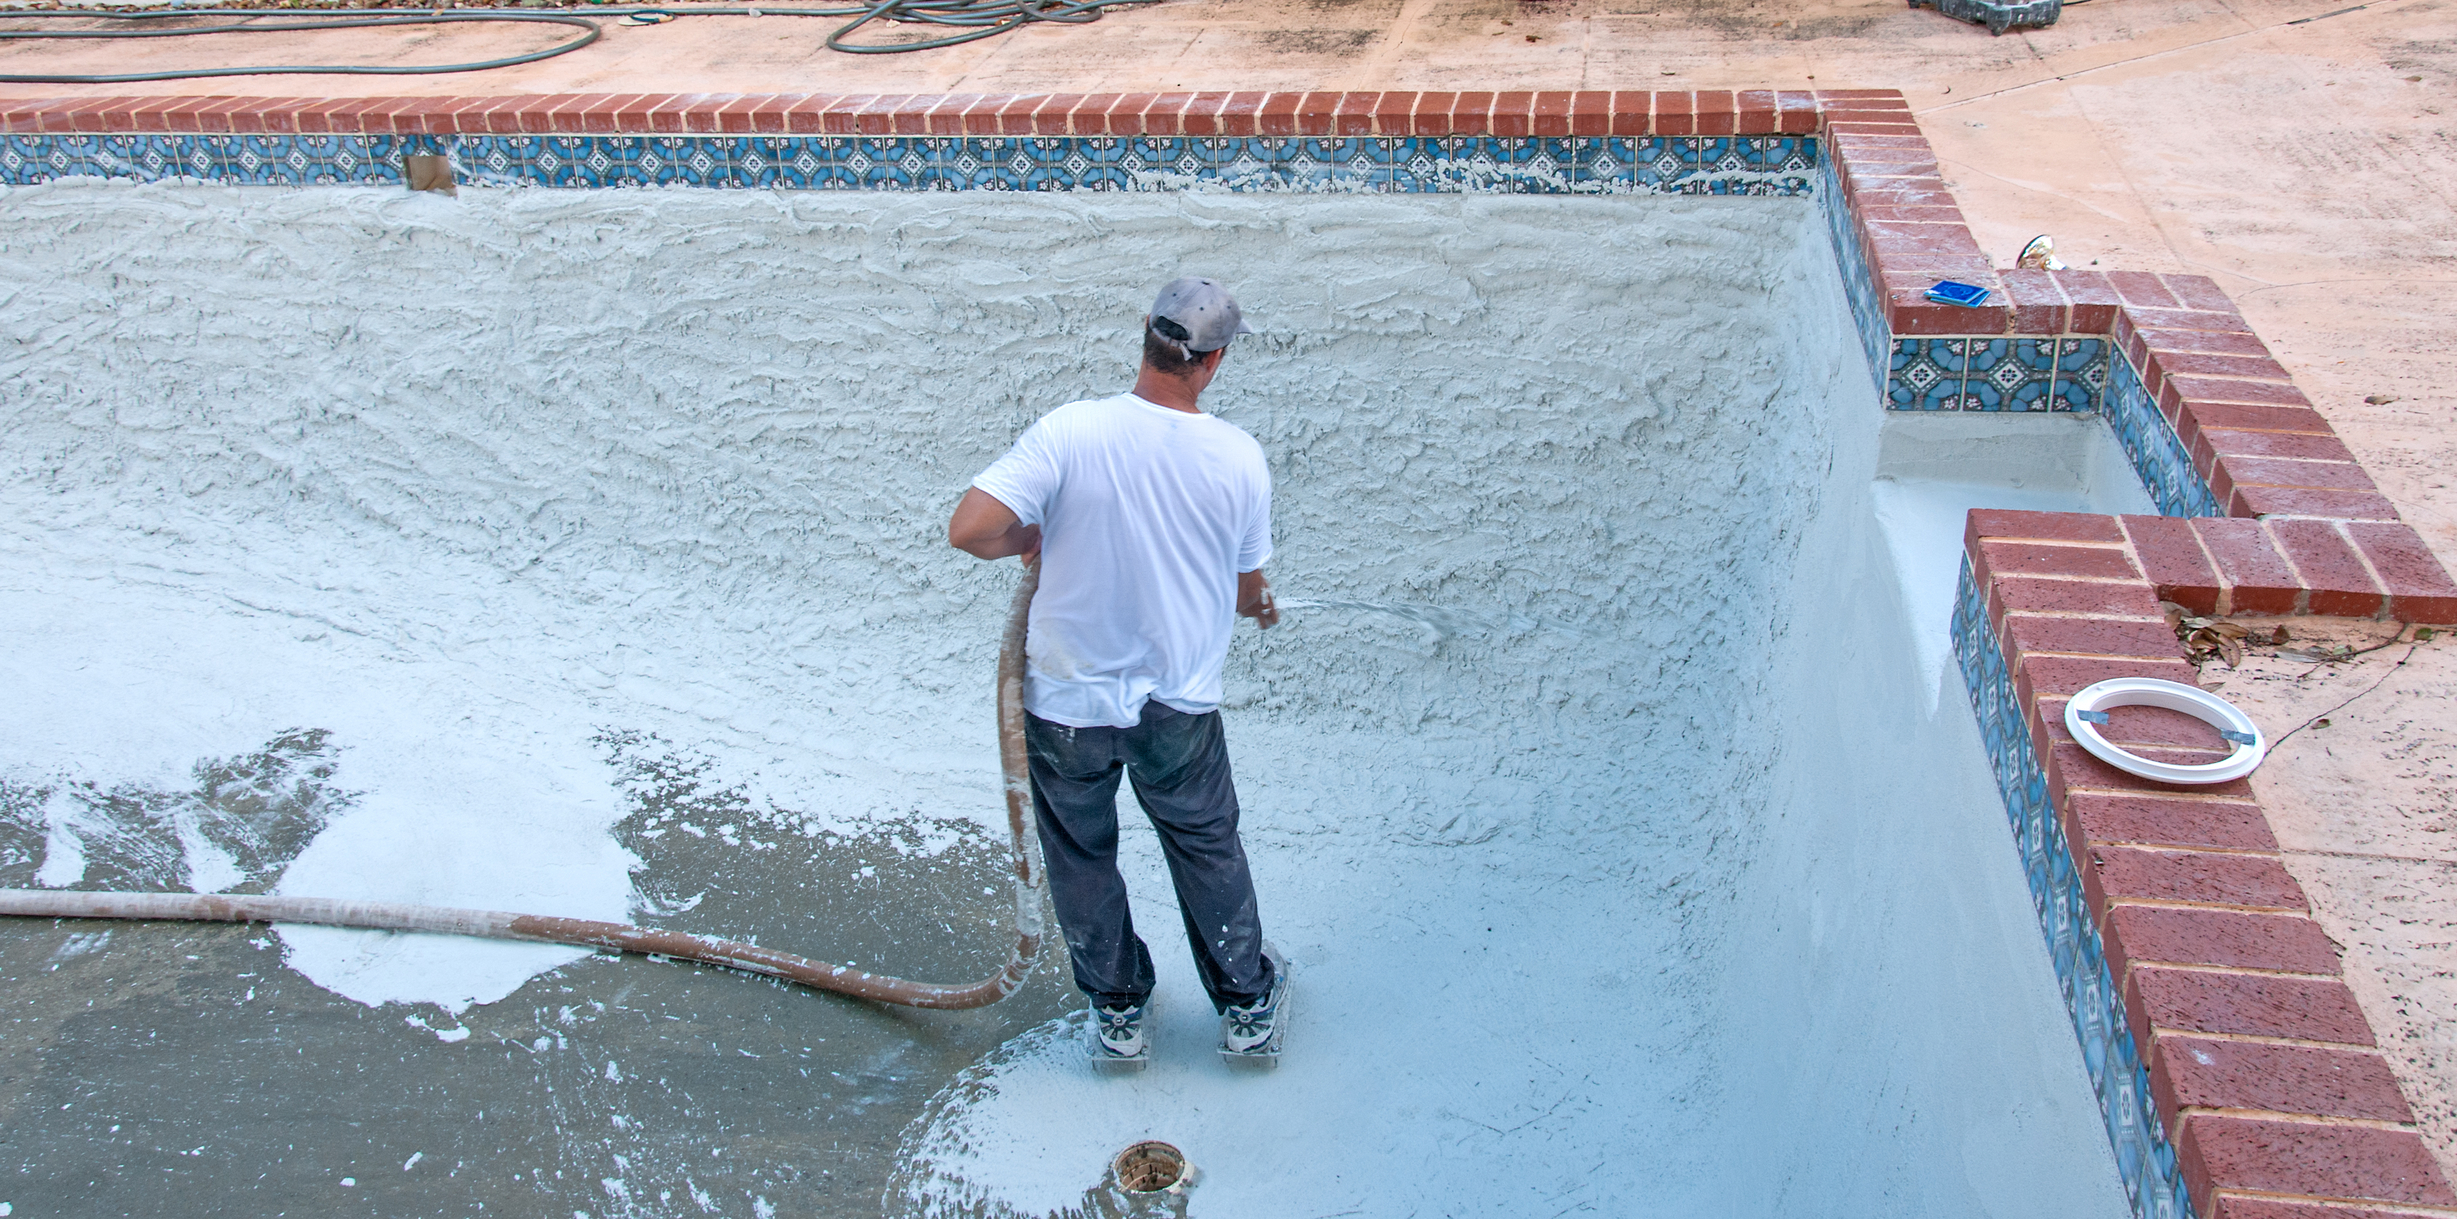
750,958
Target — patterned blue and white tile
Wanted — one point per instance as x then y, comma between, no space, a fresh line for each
1525,164
2150,443
2009,374
1859,288
2144,1157
281,160
2081,374
1925,374
1321,162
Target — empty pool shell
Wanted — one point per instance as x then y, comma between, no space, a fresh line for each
750,958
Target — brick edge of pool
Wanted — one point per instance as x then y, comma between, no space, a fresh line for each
2238,1076
2171,907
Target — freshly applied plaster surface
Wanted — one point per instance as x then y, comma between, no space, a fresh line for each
468,482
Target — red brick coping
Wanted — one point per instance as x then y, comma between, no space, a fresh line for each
1568,113
2264,1069
2253,436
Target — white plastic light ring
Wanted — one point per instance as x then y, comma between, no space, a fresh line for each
2088,710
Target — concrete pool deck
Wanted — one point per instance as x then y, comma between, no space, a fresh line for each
2137,133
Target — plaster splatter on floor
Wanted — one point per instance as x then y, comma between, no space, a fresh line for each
599,537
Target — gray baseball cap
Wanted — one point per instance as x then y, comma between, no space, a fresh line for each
1197,314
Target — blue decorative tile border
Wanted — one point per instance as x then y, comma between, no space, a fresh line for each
2066,373
1859,280
1672,165
273,160
2144,1158
2158,454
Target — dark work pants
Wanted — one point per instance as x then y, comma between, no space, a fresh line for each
1180,768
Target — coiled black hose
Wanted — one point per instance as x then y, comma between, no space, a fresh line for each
974,18
989,17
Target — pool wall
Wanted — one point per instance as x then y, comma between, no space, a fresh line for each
1886,971
2236,1074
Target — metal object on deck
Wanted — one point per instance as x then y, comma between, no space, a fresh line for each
1999,17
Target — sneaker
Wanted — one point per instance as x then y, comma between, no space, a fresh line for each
1117,1035
1253,1031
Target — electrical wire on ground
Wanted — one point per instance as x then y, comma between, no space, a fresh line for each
2145,56
1027,878
2323,717
974,19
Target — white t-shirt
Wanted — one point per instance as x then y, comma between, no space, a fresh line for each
1147,516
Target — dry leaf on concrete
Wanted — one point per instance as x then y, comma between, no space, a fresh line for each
2204,638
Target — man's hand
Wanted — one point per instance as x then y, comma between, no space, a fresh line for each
1254,599
986,529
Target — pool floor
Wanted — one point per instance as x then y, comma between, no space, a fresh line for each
625,600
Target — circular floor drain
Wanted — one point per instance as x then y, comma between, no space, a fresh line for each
1149,1167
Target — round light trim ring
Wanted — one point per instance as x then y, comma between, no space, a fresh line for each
2088,709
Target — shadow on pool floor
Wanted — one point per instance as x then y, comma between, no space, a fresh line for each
147,1067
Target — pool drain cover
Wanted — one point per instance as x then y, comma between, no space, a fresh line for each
2087,711
1150,1167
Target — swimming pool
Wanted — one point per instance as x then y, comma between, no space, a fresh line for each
576,551
1613,793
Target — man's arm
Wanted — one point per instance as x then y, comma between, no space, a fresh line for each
986,529
1254,599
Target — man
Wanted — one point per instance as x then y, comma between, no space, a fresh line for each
1151,521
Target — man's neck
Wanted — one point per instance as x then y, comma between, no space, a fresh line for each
1161,389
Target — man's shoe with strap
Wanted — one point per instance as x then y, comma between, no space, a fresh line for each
1118,1042
1252,1032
